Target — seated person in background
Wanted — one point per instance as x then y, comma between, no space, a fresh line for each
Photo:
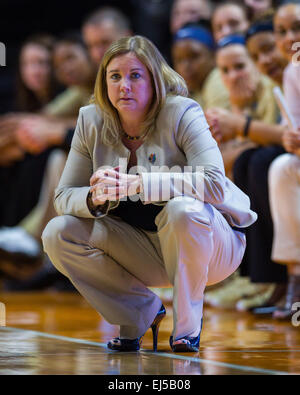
284,184
21,173
188,11
251,94
284,175
193,55
35,87
287,33
229,18
261,45
74,70
257,8
249,91
99,30
254,105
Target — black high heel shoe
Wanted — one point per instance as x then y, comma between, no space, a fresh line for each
155,325
118,344
186,343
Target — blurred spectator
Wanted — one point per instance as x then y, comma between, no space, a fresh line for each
250,94
74,70
256,8
21,173
101,28
287,32
185,11
261,44
36,85
262,48
249,91
252,99
251,169
229,18
151,19
194,59
285,170
19,195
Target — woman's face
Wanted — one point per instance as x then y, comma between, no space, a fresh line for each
258,6
287,29
184,11
229,19
193,61
238,72
129,86
269,60
72,65
35,67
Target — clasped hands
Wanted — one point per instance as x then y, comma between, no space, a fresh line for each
110,184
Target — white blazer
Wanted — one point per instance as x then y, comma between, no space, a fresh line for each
180,157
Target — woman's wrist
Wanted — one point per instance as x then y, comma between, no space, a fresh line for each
243,125
98,209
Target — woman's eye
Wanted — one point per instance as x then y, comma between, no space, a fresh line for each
135,75
296,27
280,32
114,76
240,66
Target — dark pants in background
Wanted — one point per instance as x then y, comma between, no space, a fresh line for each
251,175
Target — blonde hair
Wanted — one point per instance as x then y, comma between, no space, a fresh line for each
164,79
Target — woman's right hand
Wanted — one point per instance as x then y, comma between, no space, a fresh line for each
110,184
105,186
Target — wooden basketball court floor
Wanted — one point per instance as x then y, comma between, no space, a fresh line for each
60,334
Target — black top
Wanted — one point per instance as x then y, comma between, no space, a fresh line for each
138,214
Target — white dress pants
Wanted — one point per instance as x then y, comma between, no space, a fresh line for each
284,188
112,264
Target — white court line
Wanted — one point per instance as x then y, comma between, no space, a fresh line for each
157,354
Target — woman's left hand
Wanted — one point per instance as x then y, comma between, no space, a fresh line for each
110,184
